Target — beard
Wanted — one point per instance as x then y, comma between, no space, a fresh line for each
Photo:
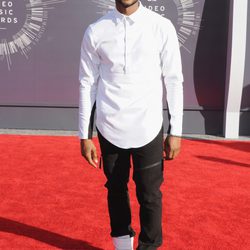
126,4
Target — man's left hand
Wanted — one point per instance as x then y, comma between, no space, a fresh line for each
172,146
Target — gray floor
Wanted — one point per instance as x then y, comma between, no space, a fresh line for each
74,133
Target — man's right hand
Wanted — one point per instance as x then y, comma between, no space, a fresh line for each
88,151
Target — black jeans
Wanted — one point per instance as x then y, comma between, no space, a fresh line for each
148,177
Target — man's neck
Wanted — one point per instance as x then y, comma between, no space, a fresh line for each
127,11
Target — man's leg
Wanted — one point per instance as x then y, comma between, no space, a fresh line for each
148,177
116,165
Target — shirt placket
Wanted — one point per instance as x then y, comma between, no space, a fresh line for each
125,46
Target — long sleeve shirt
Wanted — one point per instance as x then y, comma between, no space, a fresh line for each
126,61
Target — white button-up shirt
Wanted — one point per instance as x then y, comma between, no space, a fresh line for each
125,63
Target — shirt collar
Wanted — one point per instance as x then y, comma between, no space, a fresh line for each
135,17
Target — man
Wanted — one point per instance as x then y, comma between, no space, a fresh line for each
127,57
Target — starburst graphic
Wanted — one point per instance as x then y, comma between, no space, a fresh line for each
188,21
30,33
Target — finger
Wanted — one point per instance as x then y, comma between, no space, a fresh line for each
92,163
168,155
171,154
166,145
166,149
175,153
94,156
89,160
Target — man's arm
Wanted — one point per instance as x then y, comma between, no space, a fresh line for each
88,77
173,78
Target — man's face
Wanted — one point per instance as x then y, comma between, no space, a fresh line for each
126,3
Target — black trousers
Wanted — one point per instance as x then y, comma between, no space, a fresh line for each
148,177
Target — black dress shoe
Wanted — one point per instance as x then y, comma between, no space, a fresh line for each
145,247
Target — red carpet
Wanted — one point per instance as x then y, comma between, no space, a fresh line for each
50,198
